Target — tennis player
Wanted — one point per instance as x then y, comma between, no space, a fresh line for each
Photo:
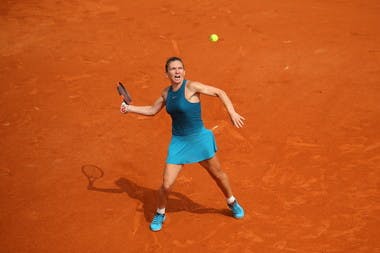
191,142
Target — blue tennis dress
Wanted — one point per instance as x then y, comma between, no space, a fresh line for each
191,142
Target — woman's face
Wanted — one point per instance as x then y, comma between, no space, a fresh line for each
176,72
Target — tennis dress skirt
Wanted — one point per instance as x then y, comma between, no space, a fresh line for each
192,148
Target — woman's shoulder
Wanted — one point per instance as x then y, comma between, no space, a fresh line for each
193,85
165,91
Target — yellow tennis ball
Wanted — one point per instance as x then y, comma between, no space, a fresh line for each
214,37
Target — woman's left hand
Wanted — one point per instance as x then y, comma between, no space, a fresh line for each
237,119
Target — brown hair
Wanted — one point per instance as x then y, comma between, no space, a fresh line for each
171,59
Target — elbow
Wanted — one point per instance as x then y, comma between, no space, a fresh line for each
152,112
220,93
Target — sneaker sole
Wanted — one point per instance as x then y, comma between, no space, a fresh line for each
238,217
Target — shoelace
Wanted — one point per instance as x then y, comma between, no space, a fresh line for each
158,218
235,208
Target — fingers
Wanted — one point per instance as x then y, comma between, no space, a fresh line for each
239,123
238,120
124,107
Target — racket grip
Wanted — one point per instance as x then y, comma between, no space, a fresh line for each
124,107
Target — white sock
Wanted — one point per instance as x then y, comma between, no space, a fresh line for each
161,210
231,200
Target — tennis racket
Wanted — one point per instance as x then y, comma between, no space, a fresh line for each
124,93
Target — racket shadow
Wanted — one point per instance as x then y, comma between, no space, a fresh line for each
148,198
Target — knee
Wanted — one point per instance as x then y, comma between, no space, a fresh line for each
165,187
219,175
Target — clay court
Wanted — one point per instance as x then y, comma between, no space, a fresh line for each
306,166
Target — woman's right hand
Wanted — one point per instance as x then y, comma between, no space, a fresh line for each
124,107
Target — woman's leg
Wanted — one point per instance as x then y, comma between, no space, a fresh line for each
171,172
214,169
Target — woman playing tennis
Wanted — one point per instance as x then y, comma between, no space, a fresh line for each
191,142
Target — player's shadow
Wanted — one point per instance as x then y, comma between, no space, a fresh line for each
148,197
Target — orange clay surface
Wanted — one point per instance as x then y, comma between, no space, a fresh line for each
304,73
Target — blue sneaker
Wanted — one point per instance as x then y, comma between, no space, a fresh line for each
237,210
157,222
